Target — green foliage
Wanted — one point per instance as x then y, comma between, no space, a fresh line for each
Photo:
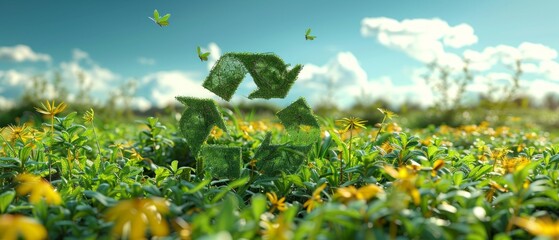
6,199
198,119
464,190
273,79
268,71
201,55
308,35
161,21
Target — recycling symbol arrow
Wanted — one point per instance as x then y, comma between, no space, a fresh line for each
269,72
273,80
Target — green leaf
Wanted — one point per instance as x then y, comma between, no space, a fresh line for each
156,15
163,21
199,186
258,205
5,200
308,35
106,201
269,72
197,121
238,183
165,18
227,220
300,123
203,56
235,184
174,166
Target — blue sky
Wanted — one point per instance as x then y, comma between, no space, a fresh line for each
373,48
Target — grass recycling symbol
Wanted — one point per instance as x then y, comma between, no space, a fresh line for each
273,79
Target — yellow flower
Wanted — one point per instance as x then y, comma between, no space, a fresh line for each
183,229
277,230
493,187
315,198
132,216
246,129
38,189
50,109
348,194
259,126
89,116
406,177
15,226
351,123
216,132
387,113
19,132
393,127
278,204
386,148
514,164
437,165
539,226
134,154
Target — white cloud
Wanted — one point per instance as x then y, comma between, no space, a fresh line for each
22,53
343,81
215,54
539,89
550,69
13,78
334,81
141,103
6,103
460,36
422,39
83,70
161,88
13,84
78,54
146,61
534,58
537,52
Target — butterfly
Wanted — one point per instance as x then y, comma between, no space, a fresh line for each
203,56
161,21
308,35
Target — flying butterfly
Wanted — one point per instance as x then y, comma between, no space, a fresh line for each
161,21
202,56
308,35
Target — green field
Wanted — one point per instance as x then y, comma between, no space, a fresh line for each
79,177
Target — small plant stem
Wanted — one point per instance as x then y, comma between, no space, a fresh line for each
96,139
393,229
510,223
349,158
69,166
341,172
380,128
50,147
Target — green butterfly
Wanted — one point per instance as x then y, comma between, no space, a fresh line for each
308,35
203,56
161,21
